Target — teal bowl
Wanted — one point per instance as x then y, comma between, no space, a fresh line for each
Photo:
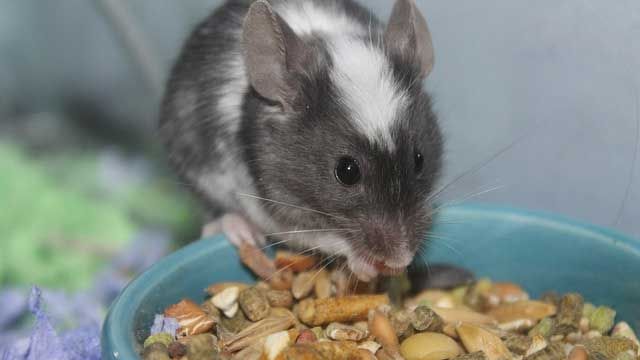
540,251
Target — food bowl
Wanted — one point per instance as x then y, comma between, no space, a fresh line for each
539,251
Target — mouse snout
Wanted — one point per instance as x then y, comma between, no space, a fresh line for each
388,243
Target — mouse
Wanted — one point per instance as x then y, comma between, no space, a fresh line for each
307,122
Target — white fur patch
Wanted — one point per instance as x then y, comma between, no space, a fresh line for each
363,74
306,17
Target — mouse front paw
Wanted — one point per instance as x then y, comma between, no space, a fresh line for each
236,228
363,270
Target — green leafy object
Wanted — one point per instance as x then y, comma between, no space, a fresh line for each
158,202
602,319
53,234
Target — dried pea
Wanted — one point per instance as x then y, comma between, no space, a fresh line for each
588,309
543,328
601,319
162,338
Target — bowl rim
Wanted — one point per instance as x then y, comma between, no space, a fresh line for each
122,310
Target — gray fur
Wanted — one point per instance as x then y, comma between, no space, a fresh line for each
225,138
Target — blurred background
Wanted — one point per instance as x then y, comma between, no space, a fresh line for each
538,101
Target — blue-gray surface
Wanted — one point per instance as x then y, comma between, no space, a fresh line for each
564,72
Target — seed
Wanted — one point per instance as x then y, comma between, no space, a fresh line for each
371,346
458,315
517,344
316,312
387,354
254,304
543,328
258,330
401,323
302,284
578,353
281,280
192,319
506,292
554,351
477,294
382,330
610,346
622,329
569,314
584,324
340,332
476,338
295,262
425,319
231,311
306,336
573,337
592,334
431,298
320,350
341,281
601,319
323,285
155,351
217,288
226,299
519,325
159,338
429,346
275,343
257,261
538,343
524,309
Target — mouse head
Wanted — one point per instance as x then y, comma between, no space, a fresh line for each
346,130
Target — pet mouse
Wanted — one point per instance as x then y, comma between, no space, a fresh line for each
307,122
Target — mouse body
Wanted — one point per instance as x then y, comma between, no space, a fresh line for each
306,122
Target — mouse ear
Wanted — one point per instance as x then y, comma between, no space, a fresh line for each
407,36
271,50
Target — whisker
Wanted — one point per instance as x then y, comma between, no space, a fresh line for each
305,231
290,205
480,166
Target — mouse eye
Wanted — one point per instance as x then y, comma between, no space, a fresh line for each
347,171
419,161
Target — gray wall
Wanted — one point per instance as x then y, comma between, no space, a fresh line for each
563,73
